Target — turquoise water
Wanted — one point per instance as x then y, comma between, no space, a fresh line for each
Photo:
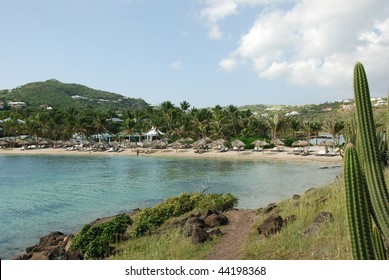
40,194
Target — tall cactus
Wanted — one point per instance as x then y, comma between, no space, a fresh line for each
365,183
359,217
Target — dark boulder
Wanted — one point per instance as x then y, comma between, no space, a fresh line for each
268,208
271,225
216,220
320,220
199,235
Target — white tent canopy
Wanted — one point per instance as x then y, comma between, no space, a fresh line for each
153,133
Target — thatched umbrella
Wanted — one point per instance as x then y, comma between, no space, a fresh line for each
158,144
300,143
3,143
260,143
326,143
177,145
199,144
237,145
278,143
146,144
218,143
132,145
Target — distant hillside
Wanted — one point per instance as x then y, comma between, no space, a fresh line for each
321,112
55,94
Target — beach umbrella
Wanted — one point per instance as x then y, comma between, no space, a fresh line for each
300,143
237,145
158,144
218,143
177,145
278,142
260,143
326,143
132,145
146,143
199,144
3,143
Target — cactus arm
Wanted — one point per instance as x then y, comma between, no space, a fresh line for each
378,191
359,219
379,245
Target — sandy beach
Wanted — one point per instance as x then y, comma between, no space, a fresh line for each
287,154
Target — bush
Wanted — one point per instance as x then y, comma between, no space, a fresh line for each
218,202
150,219
94,241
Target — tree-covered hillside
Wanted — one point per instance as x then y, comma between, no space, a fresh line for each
59,95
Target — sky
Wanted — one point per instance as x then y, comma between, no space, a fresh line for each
205,52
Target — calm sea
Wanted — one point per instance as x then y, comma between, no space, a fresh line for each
40,194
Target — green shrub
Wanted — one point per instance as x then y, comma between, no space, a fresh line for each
150,219
94,241
218,202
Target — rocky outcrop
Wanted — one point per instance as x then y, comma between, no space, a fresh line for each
54,246
202,229
268,208
320,220
216,220
271,225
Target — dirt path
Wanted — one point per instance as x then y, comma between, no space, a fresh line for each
234,235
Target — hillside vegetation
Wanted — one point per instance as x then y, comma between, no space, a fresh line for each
55,94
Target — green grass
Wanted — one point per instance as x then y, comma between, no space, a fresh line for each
168,244
331,242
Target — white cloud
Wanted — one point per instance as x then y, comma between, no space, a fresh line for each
216,10
177,65
228,64
315,42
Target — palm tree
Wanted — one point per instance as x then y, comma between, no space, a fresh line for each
295,125
334,128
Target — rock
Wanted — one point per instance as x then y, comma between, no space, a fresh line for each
271,225
320,219
74,255
31,248
311,189
215,220
296,197
269,208
323,217
58,253
215,231
38,256
290,219
194,221
199,235
321,200
52,239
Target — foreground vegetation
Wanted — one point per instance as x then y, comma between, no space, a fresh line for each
95,241
331,242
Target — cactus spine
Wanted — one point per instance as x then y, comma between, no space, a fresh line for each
365,183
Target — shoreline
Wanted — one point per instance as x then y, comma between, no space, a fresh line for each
189,153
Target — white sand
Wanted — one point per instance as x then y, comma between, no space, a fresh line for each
189,153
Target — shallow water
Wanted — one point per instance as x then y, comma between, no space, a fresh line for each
40,194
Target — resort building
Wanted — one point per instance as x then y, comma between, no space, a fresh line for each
16,105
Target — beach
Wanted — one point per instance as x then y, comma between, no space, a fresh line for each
286,154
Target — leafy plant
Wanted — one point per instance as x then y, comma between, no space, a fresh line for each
94,241
150,219
367,195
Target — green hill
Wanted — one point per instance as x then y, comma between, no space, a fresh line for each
55,94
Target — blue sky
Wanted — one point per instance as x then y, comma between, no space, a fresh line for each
206,52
